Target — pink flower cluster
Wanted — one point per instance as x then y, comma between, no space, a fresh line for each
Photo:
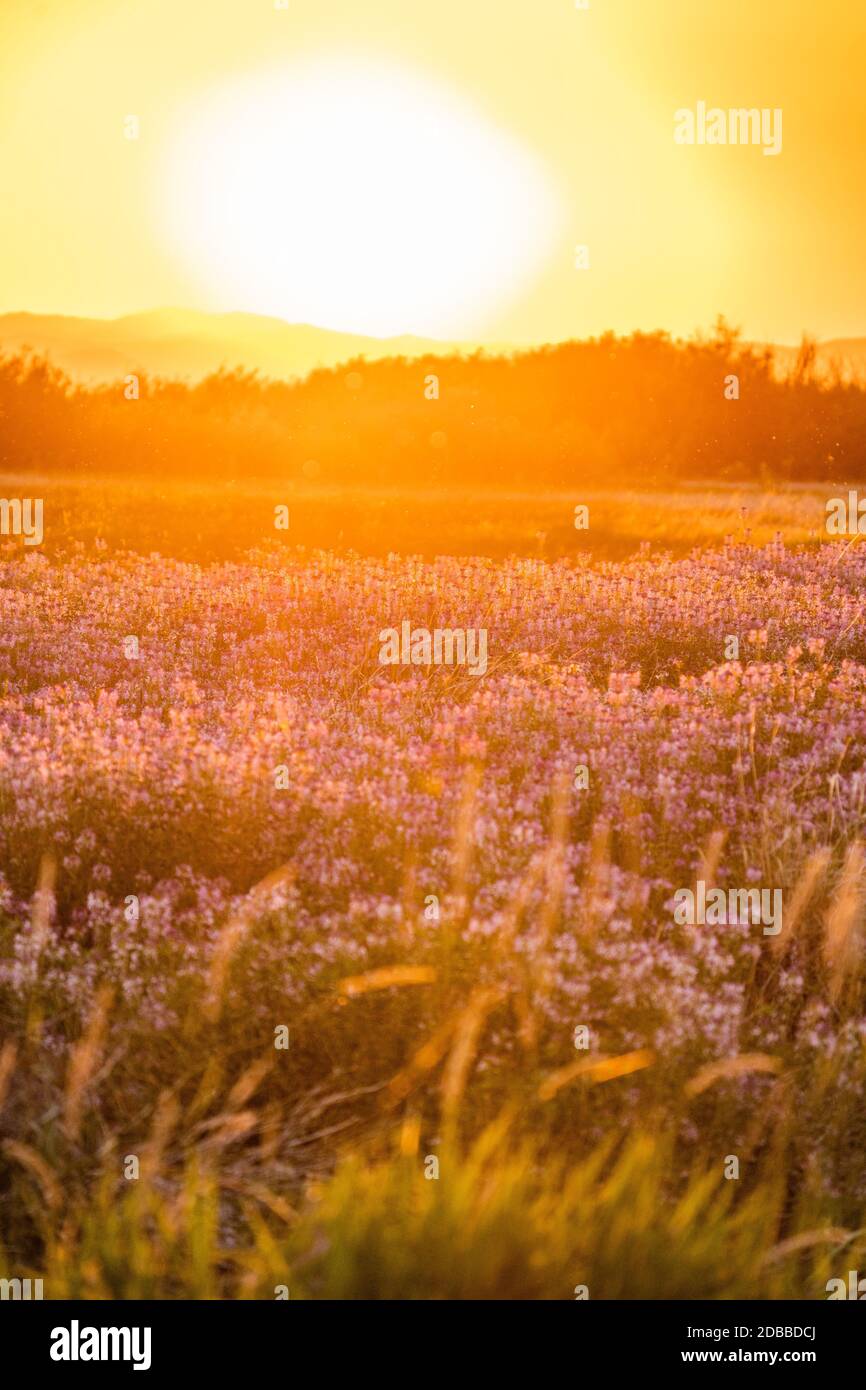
154,775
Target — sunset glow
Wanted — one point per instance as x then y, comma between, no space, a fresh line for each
354,197
447,161
433,674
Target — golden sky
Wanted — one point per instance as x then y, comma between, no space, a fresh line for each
431,166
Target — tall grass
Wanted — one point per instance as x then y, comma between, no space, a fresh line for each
429,1172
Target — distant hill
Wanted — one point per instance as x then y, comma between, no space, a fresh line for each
188,344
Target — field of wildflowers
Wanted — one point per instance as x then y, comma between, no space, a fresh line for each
354,980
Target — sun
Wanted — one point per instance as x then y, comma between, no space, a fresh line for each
360,197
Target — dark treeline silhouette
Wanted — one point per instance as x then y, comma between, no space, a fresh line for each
643,410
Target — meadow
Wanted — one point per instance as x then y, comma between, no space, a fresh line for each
325,979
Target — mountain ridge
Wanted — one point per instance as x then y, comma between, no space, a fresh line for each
191,343
188,344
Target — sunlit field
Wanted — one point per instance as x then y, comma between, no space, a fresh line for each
201,522
324,978
432,677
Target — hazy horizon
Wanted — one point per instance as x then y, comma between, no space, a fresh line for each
490,344
189,344
460,195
